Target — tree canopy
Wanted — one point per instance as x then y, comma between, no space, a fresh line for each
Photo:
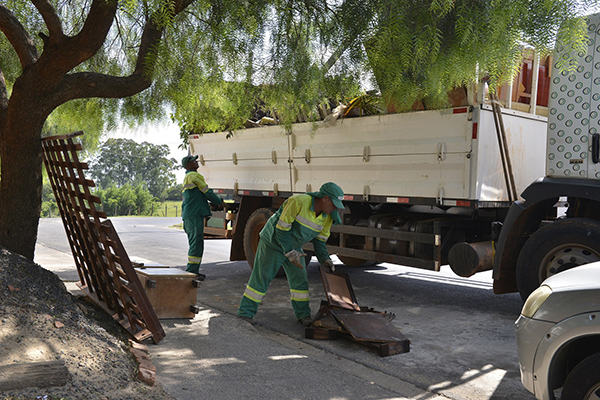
310,53
218,61
86,64
124,161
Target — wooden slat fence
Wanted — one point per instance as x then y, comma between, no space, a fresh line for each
106,273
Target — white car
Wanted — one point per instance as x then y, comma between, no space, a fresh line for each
558,336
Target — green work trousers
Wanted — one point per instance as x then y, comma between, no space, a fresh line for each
194,228
267,262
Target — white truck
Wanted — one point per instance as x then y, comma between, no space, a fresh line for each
435,187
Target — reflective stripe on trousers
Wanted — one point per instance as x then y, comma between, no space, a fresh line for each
299,295
253,295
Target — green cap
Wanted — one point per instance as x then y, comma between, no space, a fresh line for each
336,194
185,160
333,191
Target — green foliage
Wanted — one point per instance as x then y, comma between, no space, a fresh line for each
125,200
49,206
123,162
279,56
92,116
422,49
175,193
219,61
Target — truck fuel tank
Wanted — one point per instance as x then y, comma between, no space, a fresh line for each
466,259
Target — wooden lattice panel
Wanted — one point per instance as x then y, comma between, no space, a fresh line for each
106,273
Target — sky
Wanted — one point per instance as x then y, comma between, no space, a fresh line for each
161,133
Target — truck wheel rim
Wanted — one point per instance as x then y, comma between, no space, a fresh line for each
565,257
593,393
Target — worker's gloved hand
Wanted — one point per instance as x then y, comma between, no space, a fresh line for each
294,257
328,264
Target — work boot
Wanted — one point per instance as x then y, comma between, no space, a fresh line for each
200,276
247,319
306,321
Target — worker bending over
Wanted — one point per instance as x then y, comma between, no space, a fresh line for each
301,218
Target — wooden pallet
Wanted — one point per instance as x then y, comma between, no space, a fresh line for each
106,273
341,316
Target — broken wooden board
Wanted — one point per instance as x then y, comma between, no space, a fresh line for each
38,374
368,326
384,349
341,316
324,320
318,333
338,290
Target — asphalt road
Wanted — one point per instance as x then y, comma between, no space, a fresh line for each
462,335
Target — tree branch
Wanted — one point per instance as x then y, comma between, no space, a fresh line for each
90,84
18,37
63,53
87,84
95,29
50,17
152,36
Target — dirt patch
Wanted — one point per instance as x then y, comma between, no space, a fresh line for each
41,321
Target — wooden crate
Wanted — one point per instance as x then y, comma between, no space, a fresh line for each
172,292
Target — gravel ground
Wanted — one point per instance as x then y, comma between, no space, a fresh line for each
41,321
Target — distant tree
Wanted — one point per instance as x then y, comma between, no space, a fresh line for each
124,161
125,200
49,206
174,193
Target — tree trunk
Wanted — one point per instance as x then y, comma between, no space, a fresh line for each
21,167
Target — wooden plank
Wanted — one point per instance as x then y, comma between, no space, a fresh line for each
39,374
368,326
338,290
384,349
317,333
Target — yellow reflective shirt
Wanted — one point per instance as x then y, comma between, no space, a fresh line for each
295,223
196,195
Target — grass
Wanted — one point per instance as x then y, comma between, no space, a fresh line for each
167,209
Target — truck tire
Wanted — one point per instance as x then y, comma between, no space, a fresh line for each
555,248
583,382
255,223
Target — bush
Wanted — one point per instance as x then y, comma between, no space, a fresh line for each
125,200
49,206
175,193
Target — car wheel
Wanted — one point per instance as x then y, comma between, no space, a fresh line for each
555,248
583,382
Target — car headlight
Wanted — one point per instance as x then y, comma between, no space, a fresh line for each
535,301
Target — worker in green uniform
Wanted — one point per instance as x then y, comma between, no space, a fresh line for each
194,209
301,218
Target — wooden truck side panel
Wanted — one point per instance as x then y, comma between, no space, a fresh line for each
419,154
255,159
443,155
